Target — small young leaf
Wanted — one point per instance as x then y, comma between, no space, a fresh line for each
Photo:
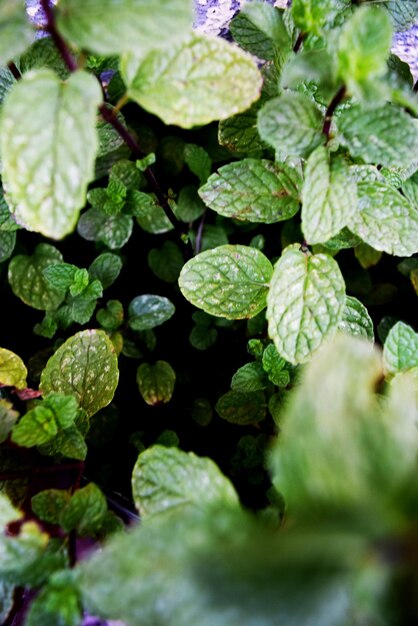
28,282
356,320
329,197
112,316
253,190
384,134
400,350
106,268
68,443
52,153
242,408
86,367
291,124
249,377
189,206
156,382
228,281
167,478
49,504
13,371
305,303
15,31
85,511
149,311
195,83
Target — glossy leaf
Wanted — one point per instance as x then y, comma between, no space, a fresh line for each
291,124
156,382
385,219
15,31
86,367
166,478
242,408
195,83
400,350
148,311
13,371
253,190
229,281
48,158
329,197
28,282
129,25
356,320
305,303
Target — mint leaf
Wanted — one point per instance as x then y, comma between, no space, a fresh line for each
305,303
249,377
85,511
84,366
242,408
112,316
329,197
149,311
7,244
259,29
239,132
229,281
291,124
195,83
15,31
356,320
129,25
13,371
198,160
43,53
253,190
166,262
60,275
48,504
384,134
8,418
165,479
403,13
106,268
55,607
28,282
400,350
54,149
7,81
68,443
7,223
385,219
156,382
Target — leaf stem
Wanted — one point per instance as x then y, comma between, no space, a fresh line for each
339,96
299,42
51,28
12,67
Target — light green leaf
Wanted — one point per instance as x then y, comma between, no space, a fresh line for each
229,281
8,418
127,25
8,513
27,280
363,47
259,29
85,511
249,377
356,320
55,607
48,504
305,303
291,124
156,382
400,350
313,15
385,219
384,134
149,311
329,197
86,367
13,371
166,478
242,408
48,158
15,31
195,83
153,218
60,275
253,190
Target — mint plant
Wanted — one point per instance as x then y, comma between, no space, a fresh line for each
208,358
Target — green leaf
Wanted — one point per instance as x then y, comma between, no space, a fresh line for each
198,160
195,83
68,443
85,511
249,377
242,408
202,337
213,236
7,223
48,504
259,29
364,44
60,275
152,218
291,124
385,219
367,256
8,418
86,367
356,320
6,600
403,13
229,281
400,350
106,268
329,197
202,412
189,206
112,316
166,262
55,607
253,190
149,311
48,158
313,15
43,53
13,371
27,280
7,244
305,303
127,173
239,132
384,134
15,31
129,25
110,141
166,478
7,81
8,513
156,382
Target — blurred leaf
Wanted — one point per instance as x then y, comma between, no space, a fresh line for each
49,504
242,408
16,32
156,382
13,371
400,351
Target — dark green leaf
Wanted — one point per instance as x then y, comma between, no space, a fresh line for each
242,408
260,30
106,268
149,311
166,262
198,160
156,382
249,377
49,504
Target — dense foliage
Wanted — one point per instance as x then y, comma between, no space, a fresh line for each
209,272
